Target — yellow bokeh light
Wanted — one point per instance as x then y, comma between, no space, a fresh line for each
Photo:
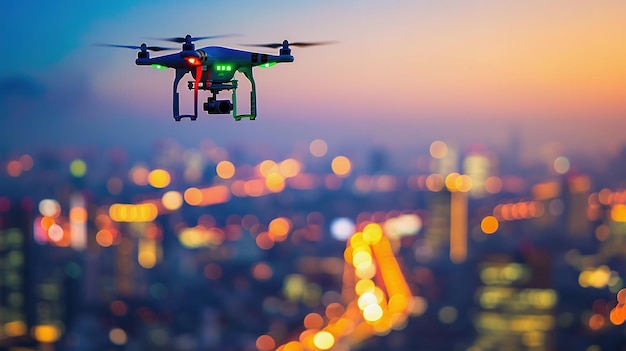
323,340
289,168
275,182
145,212
147,259
365,272
362,259
341,166
363,286
451,181
618,213
279,228
368,298
172,200
159,178
463,183
397,303
267,167
46,333
225,169
489,225
318,148
438,149
372,313
293,346
372,233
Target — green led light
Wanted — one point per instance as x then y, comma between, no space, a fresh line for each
224,68
269,64
157,66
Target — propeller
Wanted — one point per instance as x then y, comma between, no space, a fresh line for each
287,44
189,39
142,47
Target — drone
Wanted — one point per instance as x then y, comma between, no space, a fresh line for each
213,69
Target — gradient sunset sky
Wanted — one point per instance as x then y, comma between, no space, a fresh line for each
403,72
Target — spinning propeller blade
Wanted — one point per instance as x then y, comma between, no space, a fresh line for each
190,39
297,44
135,47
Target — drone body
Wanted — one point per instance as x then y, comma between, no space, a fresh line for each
213,69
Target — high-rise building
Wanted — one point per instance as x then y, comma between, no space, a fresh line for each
517,304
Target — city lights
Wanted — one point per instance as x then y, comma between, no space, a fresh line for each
489,224
159,178
234,230
133,213
341,166
225,169
318,148
78,168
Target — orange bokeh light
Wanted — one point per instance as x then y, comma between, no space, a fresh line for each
341,166
265,343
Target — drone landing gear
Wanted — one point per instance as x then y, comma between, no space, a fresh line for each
212,105
191,117
247,71
175,104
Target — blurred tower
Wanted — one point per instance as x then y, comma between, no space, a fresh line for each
14,296
517,305
479,165
437,230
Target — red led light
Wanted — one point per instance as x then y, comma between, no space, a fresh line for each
193,61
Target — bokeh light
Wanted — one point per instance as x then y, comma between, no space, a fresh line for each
489,224
172,200
289,168
139,175
318,148
438,149
225,169
323,340
372,313
341,166
49,208
193,196
265,343
78,168
267,168
159,178
561,165
342,228
118,336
